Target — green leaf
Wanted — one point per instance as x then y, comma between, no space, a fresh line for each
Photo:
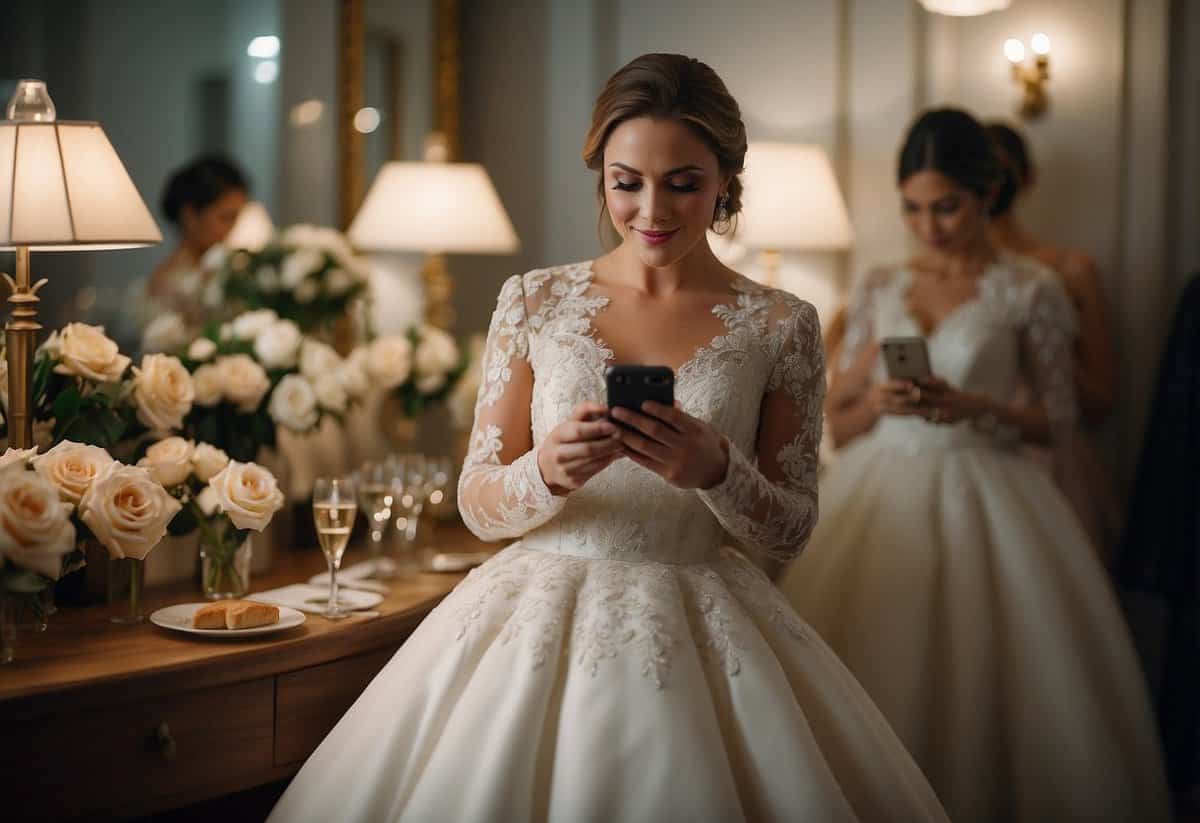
67,403
182,523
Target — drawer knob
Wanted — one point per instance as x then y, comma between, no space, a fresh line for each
163,741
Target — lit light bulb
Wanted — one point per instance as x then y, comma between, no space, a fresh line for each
366,120
264,47
1040,44
266,72
1014,50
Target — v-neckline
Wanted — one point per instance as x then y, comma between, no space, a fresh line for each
608,356
974,299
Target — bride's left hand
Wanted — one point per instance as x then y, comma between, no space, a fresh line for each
942,403
683,450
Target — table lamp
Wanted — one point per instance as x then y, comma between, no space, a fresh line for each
437,208
791,202
62,188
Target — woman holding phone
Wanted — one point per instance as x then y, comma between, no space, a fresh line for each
617,662
948,571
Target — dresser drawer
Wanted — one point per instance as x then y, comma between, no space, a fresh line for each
99,763
309,702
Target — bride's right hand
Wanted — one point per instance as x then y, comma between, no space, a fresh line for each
898,397
578,448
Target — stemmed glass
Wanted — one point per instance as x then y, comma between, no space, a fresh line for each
334,508
375,498
408,499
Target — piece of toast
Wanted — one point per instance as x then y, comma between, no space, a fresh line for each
247,614
211,616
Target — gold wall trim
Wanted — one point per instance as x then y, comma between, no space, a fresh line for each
351,82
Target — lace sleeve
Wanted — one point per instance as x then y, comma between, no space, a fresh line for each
1048,344
769,503
860,317
501,493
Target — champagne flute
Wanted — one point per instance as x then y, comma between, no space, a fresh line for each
375,498
408,501
334,509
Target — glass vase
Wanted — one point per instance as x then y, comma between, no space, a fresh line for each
126,576
225,572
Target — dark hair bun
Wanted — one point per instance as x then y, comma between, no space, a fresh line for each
200,183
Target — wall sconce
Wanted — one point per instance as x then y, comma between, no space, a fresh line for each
1031,77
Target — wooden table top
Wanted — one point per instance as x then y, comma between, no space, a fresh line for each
85,656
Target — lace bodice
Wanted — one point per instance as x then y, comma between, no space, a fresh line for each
760,383
1017,330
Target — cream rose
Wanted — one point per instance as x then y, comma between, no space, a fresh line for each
294,404
243,381
277,346
429,383
436,353
72,468
207,461
338,282
163,392
299,265
248,494
35,526
201,349
207,501
127,510
85,351
331,395
317,358
207,385
169,461
16,458
389,360
249,325
353,374
166,332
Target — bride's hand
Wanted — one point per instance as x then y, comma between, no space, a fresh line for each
895,397
578,448
683,450
942,403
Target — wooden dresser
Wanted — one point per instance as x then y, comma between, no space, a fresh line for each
101,721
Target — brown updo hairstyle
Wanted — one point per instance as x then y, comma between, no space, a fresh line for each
675,87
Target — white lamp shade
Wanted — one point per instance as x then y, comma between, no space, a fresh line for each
964,8
433,207
63,187
791,200
253,228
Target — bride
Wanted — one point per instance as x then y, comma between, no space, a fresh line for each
616,663
948,571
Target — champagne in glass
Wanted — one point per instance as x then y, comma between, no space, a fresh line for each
334,509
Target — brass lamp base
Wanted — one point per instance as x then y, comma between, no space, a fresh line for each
20,337
439,291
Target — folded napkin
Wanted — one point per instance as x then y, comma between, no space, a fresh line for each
353,577
300,596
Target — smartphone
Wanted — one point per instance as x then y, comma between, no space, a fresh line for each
906,358
630,386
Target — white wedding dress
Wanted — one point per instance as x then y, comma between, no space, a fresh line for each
617,663
951,575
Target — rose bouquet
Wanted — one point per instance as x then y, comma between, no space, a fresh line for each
434,365
307,274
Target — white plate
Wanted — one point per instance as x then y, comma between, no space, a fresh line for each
179,618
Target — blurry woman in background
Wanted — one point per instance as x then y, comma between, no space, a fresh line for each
1095,362
202,200
946,570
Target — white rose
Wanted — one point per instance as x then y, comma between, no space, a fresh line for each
127,510
215,257
317,358
306,292
298,265
166,332
429,383
243,381
225,331
201,349
331,395
353,374
338,282
436,353
249,325
389,360
72,468
52,345
207,385
277,345
163,392
85,351
169,461
16,458
248,494
207,460
35,526
213,296
267,278
294,404
207,501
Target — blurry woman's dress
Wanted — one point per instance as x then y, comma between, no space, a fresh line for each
616,663
957,584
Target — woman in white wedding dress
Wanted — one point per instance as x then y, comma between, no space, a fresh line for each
616,663
948,571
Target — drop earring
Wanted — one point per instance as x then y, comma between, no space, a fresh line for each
721,223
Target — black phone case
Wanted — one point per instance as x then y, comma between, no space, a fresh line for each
630,386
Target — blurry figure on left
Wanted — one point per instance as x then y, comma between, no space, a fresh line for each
202,200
